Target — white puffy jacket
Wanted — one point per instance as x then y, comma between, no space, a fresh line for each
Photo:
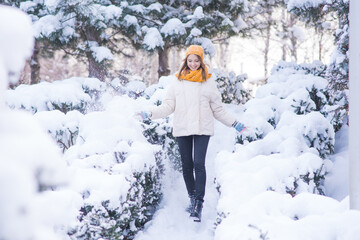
195,104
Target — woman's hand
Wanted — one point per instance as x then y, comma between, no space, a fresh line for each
143,115
239,126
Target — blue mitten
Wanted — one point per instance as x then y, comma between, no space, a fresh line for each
239,126
144,115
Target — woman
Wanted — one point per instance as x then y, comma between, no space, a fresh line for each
195,101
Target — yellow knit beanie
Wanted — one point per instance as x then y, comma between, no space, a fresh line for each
195,49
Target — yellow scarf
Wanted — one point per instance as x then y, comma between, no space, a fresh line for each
193,76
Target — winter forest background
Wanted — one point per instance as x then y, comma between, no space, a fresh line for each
76,164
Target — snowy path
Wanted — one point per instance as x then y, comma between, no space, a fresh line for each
171,220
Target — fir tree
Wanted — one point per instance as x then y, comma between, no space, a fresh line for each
180,23
95,30
84,29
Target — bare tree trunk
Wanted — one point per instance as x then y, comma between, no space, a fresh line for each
320,45
293,39
163,69
35,65
314,44
293,49
284,29
174,59
224,48
283,48
266,50
96,69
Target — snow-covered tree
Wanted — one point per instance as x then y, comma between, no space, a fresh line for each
338,69
96,30
158,26
82,28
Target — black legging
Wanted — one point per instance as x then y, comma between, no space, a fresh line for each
194,185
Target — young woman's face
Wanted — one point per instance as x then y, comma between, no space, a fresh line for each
193,62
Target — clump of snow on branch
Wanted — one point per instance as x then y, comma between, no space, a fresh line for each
173,27
153,38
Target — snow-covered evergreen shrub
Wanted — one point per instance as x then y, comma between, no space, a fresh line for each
322,139
75,93
249,136
315,129
320,97
260,116
118,173
285,148
337,111
34,201
124,221
34,179
337,72
231,87
317,68
302,102
63,128
135,89
160,133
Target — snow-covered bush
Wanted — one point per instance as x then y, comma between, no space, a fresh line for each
314,128
231,87
320,97
337,72
284,150
291,88
135,89
35,203
34,179
160,133
317,68
75,93
122,221
63,128
249,136
117,172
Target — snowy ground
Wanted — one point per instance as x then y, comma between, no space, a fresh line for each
171,219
